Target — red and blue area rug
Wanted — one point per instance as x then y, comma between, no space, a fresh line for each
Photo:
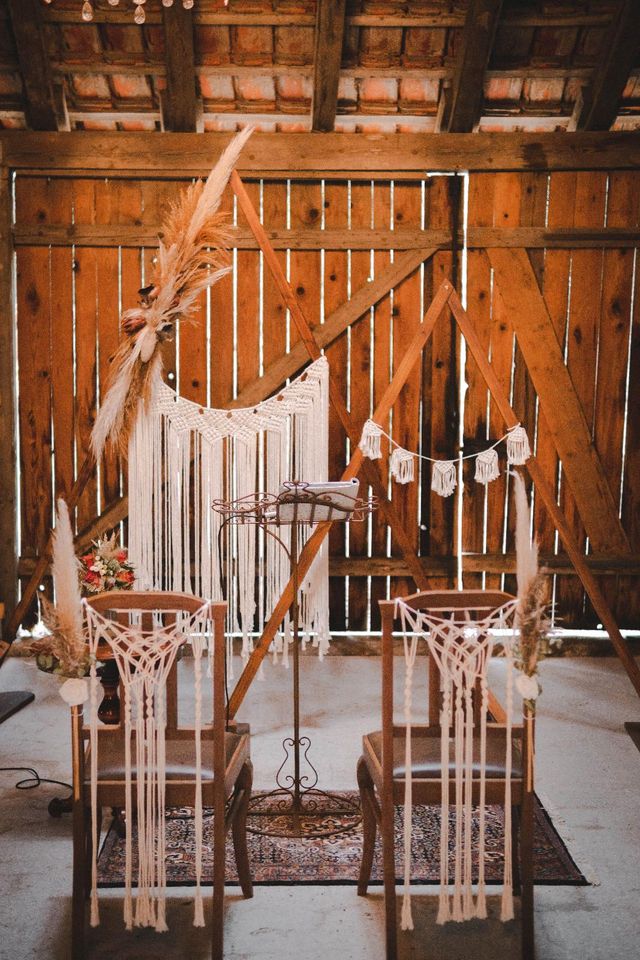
336,859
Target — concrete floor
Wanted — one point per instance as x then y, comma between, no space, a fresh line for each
588,774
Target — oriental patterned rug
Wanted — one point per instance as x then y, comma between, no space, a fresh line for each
336,859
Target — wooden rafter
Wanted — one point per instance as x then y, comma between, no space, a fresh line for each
306,155
179,101
463,103
601,98
37,77
327,61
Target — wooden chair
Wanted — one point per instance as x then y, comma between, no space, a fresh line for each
226,768
381,768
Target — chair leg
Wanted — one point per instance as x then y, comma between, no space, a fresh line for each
389,868
242,795
217,907
81,870
367,801
526,874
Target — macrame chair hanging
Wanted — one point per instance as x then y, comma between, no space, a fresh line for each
183,456
144,655
461,650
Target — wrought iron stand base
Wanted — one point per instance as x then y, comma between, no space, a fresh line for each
310,815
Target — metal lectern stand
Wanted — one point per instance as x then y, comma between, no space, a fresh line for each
297,807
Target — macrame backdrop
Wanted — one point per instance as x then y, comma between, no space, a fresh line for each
144,659
461,650
183,456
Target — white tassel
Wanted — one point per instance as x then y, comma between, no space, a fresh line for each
518,450
198,909
444,477
370,440
487,468
402,465
406,920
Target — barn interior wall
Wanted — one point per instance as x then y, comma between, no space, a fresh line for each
84,245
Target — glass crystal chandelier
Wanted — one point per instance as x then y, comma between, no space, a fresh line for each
138,13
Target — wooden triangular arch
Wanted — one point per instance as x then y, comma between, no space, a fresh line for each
445,296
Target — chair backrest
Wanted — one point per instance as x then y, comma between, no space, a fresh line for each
459,627
150,611
145,631
461,604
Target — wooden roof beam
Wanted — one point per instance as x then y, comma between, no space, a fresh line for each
327,62
37,78
181,111
601,98
463,104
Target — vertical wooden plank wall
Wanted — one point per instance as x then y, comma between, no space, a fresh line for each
589,295
69,300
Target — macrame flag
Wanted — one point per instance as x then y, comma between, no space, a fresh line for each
444,477
518,450
487,468
370,441
183,456
144,659
402,465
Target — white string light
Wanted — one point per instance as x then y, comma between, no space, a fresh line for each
139,15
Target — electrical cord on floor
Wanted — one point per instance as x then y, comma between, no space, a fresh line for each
56,806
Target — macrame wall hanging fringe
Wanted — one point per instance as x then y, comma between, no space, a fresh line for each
444,477
444,473
461,650
182,457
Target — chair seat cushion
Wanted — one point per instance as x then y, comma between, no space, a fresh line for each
180,758
425,755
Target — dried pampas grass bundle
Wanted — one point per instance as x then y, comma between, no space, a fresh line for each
192,255
66,644
532,599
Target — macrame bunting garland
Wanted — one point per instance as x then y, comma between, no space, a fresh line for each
144,659
444,472
182,457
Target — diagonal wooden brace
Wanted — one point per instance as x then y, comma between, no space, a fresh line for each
357,462
589,582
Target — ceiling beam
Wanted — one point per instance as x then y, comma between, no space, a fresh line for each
179,101
33,58
463,105
601,98
334,155
327,62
